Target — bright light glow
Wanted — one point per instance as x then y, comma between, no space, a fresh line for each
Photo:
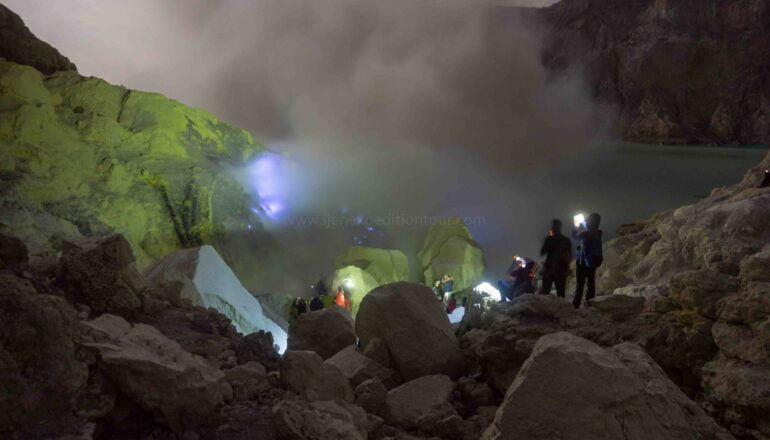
457,315
266,178
579,219
489,290
348,283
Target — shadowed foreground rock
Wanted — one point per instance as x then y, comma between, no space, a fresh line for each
325,332
570,388
415,330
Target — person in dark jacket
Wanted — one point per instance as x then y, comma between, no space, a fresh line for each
316,303
558,255
766,179
522,279
589,257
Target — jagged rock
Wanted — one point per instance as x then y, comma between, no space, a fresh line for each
258,347
100,273
248,380
449,248
510,331
112,159
384,265
754,267
370,395
605,394
13,251
357,368
701,290
19,44
325,332
305,373
644,61
619,307
659,304
42,377
378,350
362,269
743,391
297,420
209,282
411,404
416,331
181,389
476,394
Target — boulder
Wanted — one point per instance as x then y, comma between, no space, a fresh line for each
701,290
42,376
384,265
510,330
570,388
100,273
325,332
298,420
181,389
13,251
258,347
449,248
427,397
305,373
357,368
377,349
619,307
248,381
416,331
476,394
209,282
370,395
741,392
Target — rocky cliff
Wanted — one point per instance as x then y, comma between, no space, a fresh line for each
18,44
669,71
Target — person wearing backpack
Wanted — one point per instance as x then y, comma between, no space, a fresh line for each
558,255
589,257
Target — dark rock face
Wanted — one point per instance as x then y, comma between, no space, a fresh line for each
672,71
19,44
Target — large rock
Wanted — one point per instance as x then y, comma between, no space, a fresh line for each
181,389
417,400
13,251
384,265
305,373
371,395
297,420
41,374
416,331
100,273
209,282
18,44
449,248
325,332
667,71
81,155
570,388
357,367
619,307
509,332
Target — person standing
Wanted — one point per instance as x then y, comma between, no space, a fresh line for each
589,258
558,255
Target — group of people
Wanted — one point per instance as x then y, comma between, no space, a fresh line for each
321,300
557,249
443,288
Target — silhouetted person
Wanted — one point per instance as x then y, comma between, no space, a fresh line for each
522,280
766,179
589,257
558,255
320,287
316,303
300,307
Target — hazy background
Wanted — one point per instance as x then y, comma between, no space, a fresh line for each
382,108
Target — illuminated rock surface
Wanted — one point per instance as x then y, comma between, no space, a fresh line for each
209,282
363,268
449,248
81,156
570,388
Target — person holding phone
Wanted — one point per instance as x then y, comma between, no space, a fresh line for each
589,256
